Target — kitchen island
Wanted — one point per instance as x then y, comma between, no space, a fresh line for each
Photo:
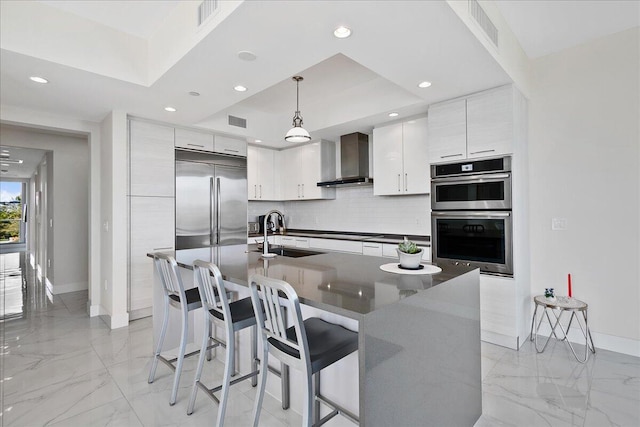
418,361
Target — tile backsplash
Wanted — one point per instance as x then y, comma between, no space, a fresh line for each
355,209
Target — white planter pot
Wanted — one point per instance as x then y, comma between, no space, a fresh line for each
409,260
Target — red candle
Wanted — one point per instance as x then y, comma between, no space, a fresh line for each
569,282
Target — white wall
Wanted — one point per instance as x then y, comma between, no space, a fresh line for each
355,209
67,182
584,163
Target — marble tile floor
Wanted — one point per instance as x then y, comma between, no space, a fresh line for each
61,368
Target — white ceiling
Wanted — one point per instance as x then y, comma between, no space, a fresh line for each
31,158
547,26
138,18
350,84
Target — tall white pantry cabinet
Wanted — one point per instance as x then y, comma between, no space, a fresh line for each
151,207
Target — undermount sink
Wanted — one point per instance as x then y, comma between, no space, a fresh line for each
289,252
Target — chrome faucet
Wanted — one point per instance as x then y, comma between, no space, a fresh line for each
265,246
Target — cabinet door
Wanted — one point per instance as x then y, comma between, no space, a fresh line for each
310,168
371,249
490,123
151,159
233,146
193,140
289,174
151,229
387,160
447,131
415,148
266,174
253,164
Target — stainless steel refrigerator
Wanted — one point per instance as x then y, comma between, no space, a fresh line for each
211,200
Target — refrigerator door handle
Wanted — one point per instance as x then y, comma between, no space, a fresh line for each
212,238
218,208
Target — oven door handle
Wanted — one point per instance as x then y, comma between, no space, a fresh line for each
486,177
473,214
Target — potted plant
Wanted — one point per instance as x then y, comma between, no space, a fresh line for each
410,254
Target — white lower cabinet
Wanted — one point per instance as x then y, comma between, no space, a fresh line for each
152,226
389,250
371,249
350,246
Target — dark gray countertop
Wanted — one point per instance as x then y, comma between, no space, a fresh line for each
345,284
422,240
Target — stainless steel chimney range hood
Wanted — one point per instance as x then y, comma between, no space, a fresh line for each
354,161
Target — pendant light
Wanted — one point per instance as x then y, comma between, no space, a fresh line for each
297,133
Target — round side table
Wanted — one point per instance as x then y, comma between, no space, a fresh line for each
558,308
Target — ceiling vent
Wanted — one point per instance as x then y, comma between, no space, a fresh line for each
483,21
206,9
238,122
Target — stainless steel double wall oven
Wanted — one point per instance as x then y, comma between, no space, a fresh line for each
471,214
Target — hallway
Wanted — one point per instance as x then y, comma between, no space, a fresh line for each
60,367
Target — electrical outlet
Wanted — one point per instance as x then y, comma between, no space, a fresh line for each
48,263
105,226
105,284
558,224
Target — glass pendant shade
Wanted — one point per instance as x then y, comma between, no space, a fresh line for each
297,133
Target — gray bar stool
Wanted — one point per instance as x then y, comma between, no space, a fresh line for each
233,317
310,345
185,301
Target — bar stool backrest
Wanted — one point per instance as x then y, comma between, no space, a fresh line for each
169,277
274,295
211,286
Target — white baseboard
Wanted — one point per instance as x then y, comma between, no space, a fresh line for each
118,320
499,339
68,287
600,341
94,310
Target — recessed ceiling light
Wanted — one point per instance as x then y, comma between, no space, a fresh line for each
394,114
170,109
38,79
424,84
245,55
342,32
194,93
258,140
240,88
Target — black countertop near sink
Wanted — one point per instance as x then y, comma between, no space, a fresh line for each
422,240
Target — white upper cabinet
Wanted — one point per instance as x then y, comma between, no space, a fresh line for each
387,160
400,158
302,167
490,121
232,146
417,178
448,131
260,173
193,140
481,125
151,159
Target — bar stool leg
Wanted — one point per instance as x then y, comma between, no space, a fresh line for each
307,410
262,382
194,390
316,402
254,354
228,371
165,322
183,346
